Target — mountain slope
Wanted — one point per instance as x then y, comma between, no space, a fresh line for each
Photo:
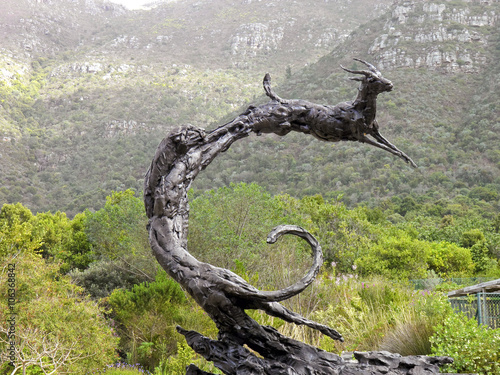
84,119
88,88
443,111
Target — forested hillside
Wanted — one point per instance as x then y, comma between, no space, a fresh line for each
442,112
85,100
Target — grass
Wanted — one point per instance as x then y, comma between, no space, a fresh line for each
374,315
121,368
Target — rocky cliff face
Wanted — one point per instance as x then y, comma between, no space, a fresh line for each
450,36
46,28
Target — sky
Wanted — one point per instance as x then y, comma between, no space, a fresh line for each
132,4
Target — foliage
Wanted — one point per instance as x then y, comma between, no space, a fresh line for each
147,315
480,256
375,314
473,346
229,227
15,231
53,236
471,238
118,232
176,365
115,229
50,311
343,234
228,220
103,276
447,260
399,256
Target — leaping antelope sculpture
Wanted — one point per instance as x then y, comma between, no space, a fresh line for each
221,293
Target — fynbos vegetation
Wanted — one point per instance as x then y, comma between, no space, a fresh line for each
87,90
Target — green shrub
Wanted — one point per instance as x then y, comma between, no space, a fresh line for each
471,237
104,276
479,253
55,319
118,232
474,347
176,364
449,259
396,256
147,316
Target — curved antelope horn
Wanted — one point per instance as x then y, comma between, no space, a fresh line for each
370,66
367,73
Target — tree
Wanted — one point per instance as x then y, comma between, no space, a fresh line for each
49,308
35,348
118,232
471,237
76,252
344,234
480,256
53,236
473,346
232,224
449,259
397,257
15,233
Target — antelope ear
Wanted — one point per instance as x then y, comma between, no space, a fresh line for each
356,79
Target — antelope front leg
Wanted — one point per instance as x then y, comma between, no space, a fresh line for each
387,147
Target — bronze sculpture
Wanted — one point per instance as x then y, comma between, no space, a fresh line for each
224,295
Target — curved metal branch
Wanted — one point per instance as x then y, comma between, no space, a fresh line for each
299,286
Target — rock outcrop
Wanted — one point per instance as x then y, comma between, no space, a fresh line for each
436,36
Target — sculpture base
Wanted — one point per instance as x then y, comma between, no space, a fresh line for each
234,358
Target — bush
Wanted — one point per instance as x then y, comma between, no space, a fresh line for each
54,320
474,347
176,365
147,315
118,232
104,276
449,259
398,256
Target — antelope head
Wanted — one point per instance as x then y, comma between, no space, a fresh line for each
372,79
372,84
